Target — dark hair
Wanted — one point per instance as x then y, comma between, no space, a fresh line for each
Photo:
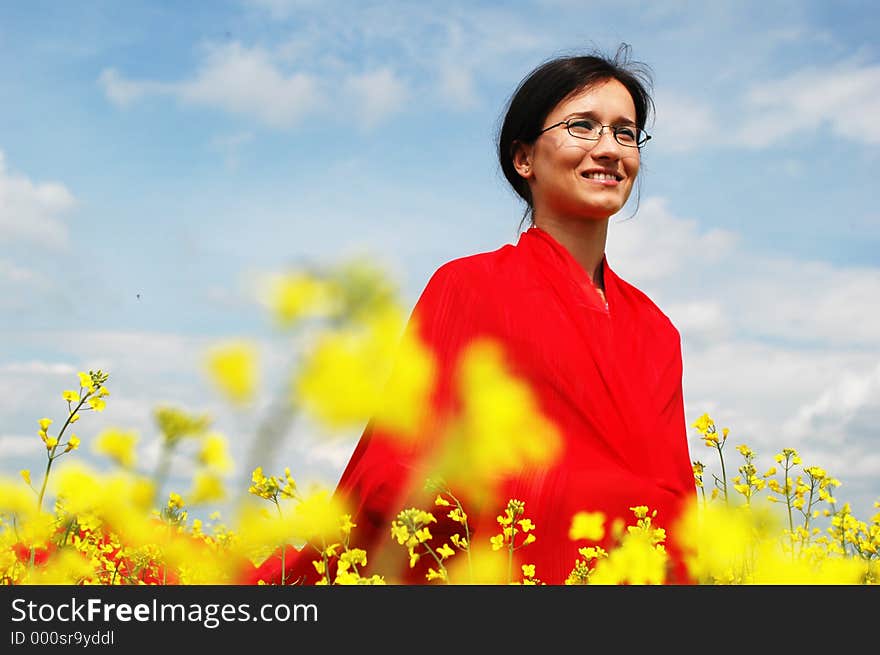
551,83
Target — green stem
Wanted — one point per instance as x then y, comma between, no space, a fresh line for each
439,562
52,452
283,549
723,474
510,555
467,535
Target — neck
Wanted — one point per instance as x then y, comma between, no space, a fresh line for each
584,239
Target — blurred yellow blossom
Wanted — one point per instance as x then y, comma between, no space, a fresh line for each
232,367
367,371
117,444
587,525
207,487
500,428
295,296
214,454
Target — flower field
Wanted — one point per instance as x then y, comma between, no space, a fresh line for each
62,522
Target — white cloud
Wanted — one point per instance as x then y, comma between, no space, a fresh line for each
246,81
36,367
683,123
122,92
32,211
844,98
840,405
249,82
458,86
10,272
321,64
656,245
789,358
18,446
795,301
376,94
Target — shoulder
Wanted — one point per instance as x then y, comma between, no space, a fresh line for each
473,269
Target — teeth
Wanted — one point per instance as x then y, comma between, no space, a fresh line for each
601,176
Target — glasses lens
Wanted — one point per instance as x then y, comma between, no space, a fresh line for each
584,128
630,136
627,135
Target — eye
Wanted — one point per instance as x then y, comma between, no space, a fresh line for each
582,127
627,134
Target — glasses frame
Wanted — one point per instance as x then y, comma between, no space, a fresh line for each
614,129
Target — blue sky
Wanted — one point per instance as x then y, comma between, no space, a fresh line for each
178,150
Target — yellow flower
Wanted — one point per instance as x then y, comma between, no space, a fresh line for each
118,445
72,443
528,570
175,501
459,541
526,525
441,501
26,476
74,418
345,525
497,542
51,442
292,297
232,368
529,539
635,561
97,404
316,516
175,424
214,454
703,423
500,428
458,516
207,488
368,372
445,551
640,512
70,396
45,423
587,525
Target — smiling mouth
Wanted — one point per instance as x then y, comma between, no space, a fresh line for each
601,177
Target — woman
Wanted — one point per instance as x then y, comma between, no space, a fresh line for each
602,359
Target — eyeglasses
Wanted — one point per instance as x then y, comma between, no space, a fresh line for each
586,128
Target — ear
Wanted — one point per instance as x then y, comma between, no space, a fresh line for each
522,158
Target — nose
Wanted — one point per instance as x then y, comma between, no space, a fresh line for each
607,146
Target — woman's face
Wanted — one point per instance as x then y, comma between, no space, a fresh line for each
577,178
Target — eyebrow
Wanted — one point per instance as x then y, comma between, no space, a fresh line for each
590,114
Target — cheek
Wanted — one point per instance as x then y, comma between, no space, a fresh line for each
631,166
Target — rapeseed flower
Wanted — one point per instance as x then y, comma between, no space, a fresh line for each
119,445
233,369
